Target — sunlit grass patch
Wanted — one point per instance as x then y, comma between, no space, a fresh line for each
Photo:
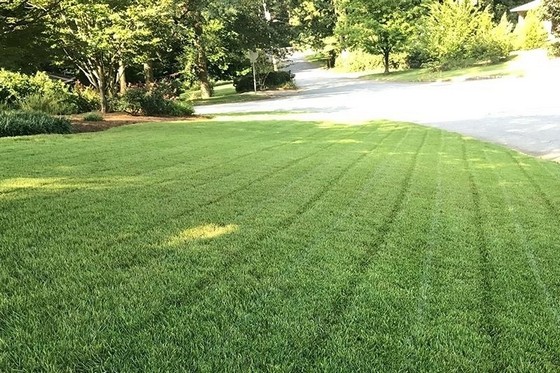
202,232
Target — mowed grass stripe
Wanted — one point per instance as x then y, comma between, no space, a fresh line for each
486,265
445,332
256,269
378,279
342,158
381,223
113,161
100,244
528,261
108,192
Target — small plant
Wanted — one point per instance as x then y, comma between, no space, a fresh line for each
93,117
48,103
270,80
152,101
19,123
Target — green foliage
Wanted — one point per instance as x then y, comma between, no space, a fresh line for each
153,102
93,117
531,34
554,49
86,99
49,104
378,27
16,87
456,33
493,42
19,123
268,80
552,13
357,60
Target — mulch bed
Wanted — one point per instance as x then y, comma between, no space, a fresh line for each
120,119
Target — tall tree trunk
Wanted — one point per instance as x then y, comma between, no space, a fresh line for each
201,60
149,72
102,87
122,78
386,54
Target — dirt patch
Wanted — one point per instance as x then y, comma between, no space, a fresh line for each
120,119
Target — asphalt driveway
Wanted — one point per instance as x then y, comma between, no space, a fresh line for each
522,113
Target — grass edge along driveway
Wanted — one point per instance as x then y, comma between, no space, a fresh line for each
276,245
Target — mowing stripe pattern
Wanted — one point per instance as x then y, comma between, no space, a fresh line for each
277,246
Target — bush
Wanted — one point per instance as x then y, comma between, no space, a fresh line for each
19,123
86,99
93,117
152,101
48,103
554,49
356,60
270,80
15,87
456,34
531,34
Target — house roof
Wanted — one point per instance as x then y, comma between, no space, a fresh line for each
526,7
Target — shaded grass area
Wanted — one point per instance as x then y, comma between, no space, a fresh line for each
225,94
240,246
469,73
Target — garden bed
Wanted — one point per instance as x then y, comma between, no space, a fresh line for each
111,120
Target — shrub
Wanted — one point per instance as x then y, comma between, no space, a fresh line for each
19,123
93,117
531,34
152,101
554,49
86,99
270,80
48,103
15,87
356,60
492,43
456,34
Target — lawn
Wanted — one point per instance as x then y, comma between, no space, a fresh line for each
277,246
484,71
225,94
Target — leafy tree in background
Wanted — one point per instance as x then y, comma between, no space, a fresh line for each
380,27
315,22
456,34
552,12
23,42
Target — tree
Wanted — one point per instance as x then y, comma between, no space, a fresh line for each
552,12
378,27
23,41
315,22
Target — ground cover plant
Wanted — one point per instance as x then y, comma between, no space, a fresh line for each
247,246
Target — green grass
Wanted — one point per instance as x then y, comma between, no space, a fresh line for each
225,94
277,246
471,73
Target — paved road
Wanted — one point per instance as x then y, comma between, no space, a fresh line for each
523,113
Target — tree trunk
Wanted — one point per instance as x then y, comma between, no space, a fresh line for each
102,90
331,59
201,60
122,78
386,60
149,72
